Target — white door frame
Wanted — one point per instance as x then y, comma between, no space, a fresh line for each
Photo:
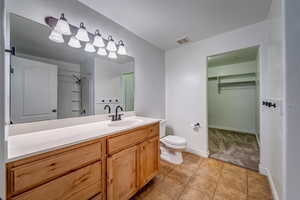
260,63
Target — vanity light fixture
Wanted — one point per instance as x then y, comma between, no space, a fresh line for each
89,48
102,52
56,37
112,55
98,40
122,48
111,46
62,26
74,42
82,33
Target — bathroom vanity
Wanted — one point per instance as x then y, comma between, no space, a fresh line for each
113,162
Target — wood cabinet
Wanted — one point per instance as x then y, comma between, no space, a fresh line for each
76,172
122,174
83,183
34,173
114,168
149,160
136,163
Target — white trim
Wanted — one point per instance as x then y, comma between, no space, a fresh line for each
232,129
262,170
197,152
258,141
273,188
266,172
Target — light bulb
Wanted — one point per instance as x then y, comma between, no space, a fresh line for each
56,37
111,46
62,26
122,48
101,52
89,48
112,55
82,34
74,42
98,40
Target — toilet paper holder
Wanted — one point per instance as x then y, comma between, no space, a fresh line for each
195,125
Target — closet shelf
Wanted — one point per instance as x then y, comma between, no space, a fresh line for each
231,80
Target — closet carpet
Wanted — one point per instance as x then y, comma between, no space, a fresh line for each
234,147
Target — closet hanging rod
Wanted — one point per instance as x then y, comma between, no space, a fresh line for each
231,75
237,83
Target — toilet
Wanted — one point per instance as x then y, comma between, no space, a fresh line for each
171,146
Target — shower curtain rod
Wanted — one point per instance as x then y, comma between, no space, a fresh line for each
76,72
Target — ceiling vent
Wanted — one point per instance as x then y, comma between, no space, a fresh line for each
184,40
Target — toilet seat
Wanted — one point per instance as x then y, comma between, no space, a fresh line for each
174,142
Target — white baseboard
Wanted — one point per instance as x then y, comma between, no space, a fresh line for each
232,129
263,170
266,172
273,188
257,140
197,152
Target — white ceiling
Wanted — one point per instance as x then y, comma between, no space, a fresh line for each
163,22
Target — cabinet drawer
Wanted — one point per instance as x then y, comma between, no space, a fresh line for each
82,184
38,172
118,143
154,130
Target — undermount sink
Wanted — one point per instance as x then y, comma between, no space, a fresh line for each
125,122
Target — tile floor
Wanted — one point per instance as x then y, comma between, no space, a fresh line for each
205,179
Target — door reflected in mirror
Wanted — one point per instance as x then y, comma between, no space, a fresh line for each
55,81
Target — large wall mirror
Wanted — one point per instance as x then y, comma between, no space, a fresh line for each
55,81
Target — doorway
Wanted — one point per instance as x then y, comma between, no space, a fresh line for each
233,107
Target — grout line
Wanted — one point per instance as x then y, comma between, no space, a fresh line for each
218,181
185,186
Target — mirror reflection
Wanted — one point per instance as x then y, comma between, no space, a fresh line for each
55,81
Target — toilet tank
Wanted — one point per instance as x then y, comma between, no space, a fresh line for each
162,128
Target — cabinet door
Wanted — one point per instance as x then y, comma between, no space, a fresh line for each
149,160
122,174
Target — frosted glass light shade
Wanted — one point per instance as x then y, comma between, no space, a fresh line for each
62,26
98,40
112,55
89,48
111,46
74,42
122,48
82,34
101,52
56,37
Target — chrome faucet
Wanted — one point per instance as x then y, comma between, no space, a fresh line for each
116,116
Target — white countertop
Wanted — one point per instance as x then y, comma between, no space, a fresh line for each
25,145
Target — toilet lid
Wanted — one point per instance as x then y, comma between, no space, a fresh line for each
174,140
